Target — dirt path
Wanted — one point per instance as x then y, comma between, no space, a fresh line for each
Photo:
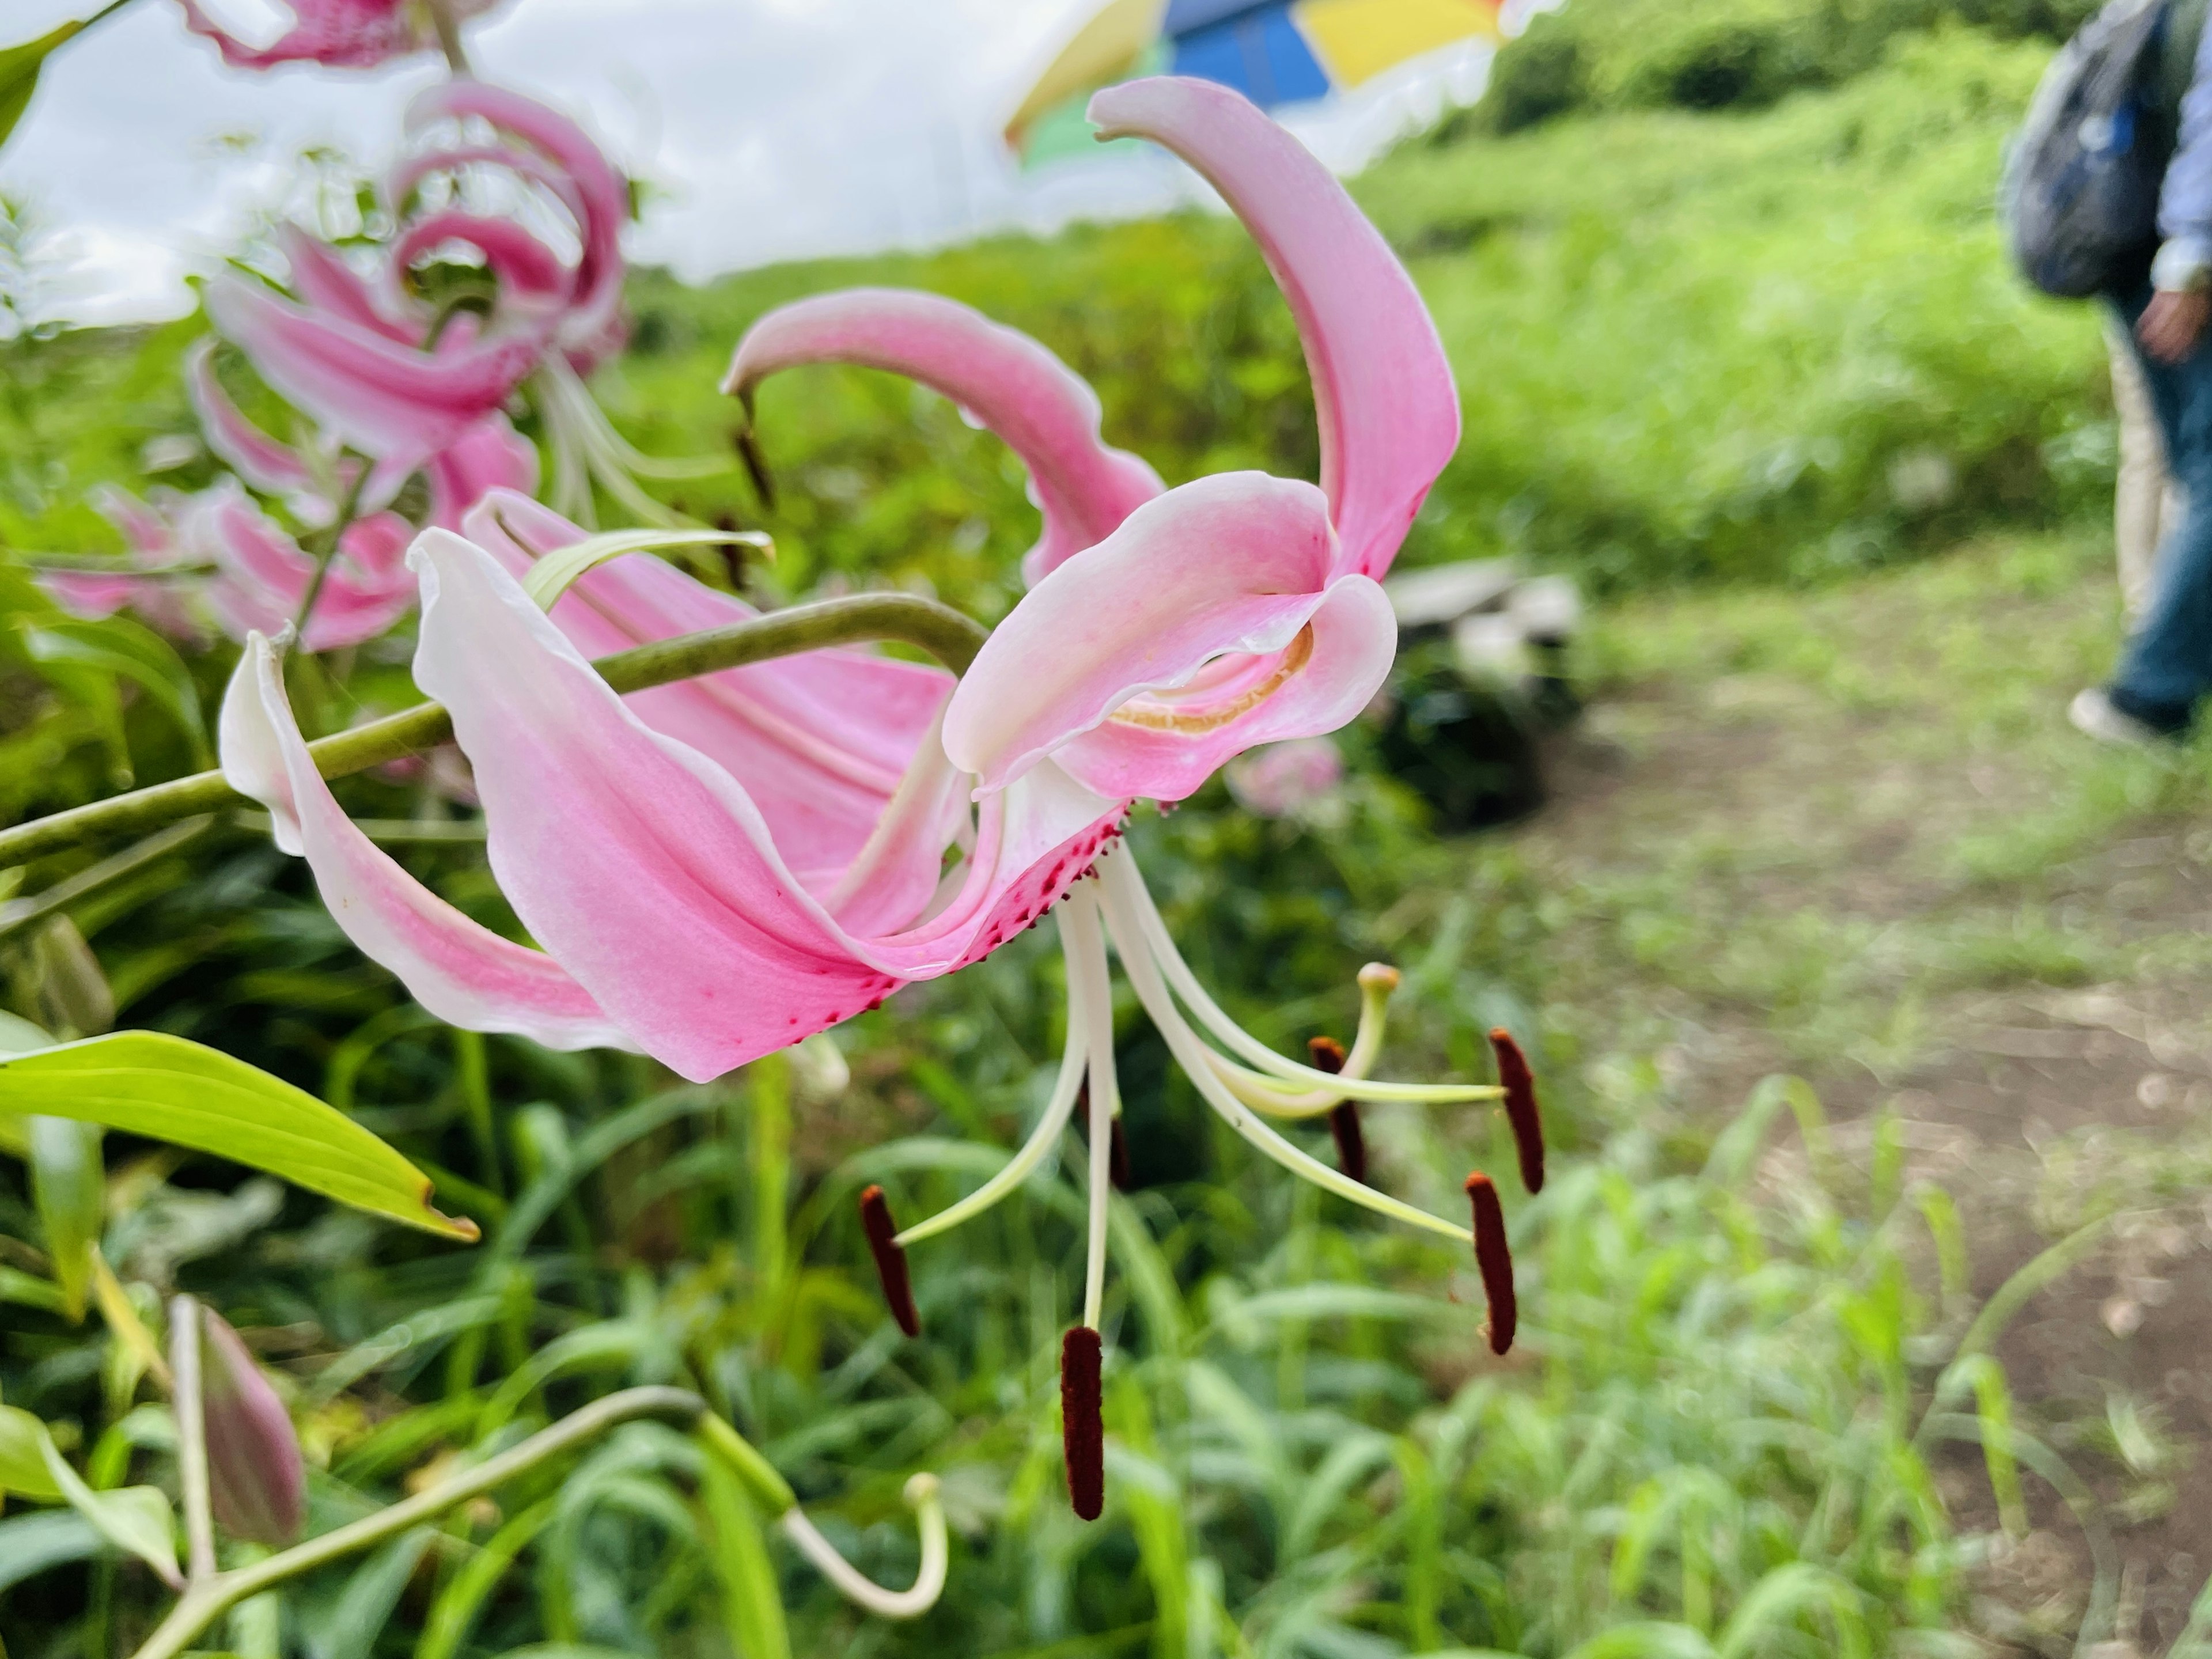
1848,835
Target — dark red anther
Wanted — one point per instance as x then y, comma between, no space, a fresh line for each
1350,1143
1495,1258
1327,1055
1520,1085
890,1261
1082,1426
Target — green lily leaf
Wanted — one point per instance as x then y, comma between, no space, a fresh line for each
163,1087
22,1464
119,647
18,72
70,1185
137,1519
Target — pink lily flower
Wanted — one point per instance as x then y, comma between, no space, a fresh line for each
674,917
216,549
338,33
699,890
383,373
1167,633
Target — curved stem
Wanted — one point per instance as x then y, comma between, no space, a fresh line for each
209,1599
921,1492
943,632
189,1399
331,536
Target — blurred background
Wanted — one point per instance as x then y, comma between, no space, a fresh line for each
1725,763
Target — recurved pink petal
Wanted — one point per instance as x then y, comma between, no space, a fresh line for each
462,972
527,269
325,282
386,399
93,594
1382,390
1164,747
337,33
1013,386
1230,565
265,575
248,451
641,863
601,199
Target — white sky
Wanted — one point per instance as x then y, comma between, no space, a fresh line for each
769,129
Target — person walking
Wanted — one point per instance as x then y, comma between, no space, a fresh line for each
2166,667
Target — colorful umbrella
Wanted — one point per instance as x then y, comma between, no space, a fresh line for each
1274,51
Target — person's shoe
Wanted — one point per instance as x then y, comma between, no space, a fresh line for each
2105,716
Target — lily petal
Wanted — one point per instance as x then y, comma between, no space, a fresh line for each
1163,749
1382,390
249,452
819,741
1015,387
643,866
489,456
389,400
1234,564
462,972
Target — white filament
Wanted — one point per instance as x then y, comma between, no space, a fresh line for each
1047,1134
921,1492
1132,914
1088,982
1131,942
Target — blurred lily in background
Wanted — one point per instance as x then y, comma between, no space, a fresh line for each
359,34
506,271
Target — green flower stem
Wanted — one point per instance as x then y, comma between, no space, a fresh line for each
209,1599
188,1400
328,552
943,632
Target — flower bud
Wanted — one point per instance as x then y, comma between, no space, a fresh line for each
256,1478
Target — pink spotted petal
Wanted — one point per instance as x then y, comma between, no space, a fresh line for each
388,400
1004,378
1383,392
819,741
641,865
1164,748
462,972
249,452
1233,564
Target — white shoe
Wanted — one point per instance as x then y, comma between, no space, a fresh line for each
2092,713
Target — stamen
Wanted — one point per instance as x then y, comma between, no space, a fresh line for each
890,1261
1520,1085
1193,1055
1141,925
1082,1423
1066,1093
1495,1258
1344,1117
1088,984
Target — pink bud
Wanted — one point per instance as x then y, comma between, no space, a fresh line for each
255,1475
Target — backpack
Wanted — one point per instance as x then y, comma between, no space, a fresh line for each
2080,198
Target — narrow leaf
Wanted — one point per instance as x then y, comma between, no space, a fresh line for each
70,1184
137,1519
118,645
22,1463
163,1087
19,73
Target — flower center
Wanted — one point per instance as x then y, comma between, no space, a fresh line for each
1163,717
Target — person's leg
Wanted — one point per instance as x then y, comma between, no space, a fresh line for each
2141,489
2167,664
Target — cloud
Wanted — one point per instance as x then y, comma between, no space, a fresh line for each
768,129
